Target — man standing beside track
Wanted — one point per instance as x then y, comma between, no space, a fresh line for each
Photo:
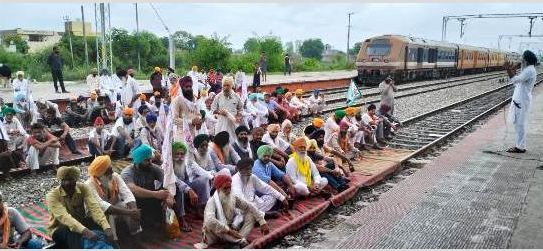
522,97
387,89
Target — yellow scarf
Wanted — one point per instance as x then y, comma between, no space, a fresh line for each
303,167
4,222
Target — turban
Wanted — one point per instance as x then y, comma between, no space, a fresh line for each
228,80
273,127
253,96
343,124
299,143
309,129
157,68
68,172
316,91
221,180
98,121
280,90
221,139
20,97
318,122
22,73
94,70
185,81
317,134
264,150
179,146
128,111
241,129
199,139
351,111
156,93
93,94
141,153
143,97
286,123
99,166
8,110
151,118
299,92
312,145
142,108
288,94
339,114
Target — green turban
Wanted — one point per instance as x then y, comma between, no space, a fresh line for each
339,114
199,139
142,153
264,150
179,146
68,172
8,110
280,91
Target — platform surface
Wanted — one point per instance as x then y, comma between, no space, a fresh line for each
474,195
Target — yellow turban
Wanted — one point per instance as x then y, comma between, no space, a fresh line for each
228,80
273,127
288,94
99,166
318,122
351,111
68,172
20,73
299,92
312,145
157,68
300,143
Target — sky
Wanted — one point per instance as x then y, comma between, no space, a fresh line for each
297,21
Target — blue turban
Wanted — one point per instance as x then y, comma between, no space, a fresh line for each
141,108
142,153
20,97
316,91
253,96
151,118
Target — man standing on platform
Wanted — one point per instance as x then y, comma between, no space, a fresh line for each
55,62
387,89
288,67
522,97
263,63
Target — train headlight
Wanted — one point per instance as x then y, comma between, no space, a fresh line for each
375,59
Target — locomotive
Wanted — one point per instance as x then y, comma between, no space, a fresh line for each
408,58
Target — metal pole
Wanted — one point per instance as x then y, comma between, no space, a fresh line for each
444,29
103,29
85,39
96,29
137,37
348,35
66,20
110,40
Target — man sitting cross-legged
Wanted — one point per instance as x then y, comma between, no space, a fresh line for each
301,168
266,171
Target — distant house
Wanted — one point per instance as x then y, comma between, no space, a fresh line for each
329,54
36,39
76,27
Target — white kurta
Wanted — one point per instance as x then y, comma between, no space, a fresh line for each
249,191
522,96
93,82
299,104
330,127
278,142
316,104
299,180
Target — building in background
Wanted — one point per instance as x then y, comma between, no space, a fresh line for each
35,39
76,27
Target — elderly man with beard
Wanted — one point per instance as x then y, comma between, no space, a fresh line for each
221,219
266,171
186,112
150,134
328,168
193,183
256,142
280,146
114,197
228,106
248,186
222,155
76,219
202,156
145,180
307,180
123,130
241,145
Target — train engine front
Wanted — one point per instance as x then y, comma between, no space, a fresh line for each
378,58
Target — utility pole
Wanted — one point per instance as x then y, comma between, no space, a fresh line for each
138,37
348,35
85,39
171,45
66,20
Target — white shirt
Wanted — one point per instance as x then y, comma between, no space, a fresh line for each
129,90
106,83
196,85
524,83
102,138
366,118
254,186
20,86
315,101
15,124
292,171
120,123
330,127
278,143
125,195
93,82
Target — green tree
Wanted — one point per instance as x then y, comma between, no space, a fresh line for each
252,45
19,42
211,53
356,48
312,48
183,40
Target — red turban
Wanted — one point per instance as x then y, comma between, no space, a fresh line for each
186,80
221,180
98,121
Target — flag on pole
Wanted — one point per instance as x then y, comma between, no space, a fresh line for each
352,94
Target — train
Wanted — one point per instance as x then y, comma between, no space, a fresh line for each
407,58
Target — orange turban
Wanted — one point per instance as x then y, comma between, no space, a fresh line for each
318,123
351,111
299,143
128,111
99,166
299,92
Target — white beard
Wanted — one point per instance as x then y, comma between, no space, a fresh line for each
227,202
302,156
179,168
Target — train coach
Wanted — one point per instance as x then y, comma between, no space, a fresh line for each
409,58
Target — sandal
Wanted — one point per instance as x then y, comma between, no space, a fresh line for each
516,150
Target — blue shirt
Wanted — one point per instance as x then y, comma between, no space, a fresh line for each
272,105
267,172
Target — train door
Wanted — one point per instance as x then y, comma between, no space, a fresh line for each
420,57
405,60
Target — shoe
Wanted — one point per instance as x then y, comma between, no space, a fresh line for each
65,91
516,150
57,91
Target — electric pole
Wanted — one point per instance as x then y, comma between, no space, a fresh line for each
138,37
66,20
348,35
85,39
